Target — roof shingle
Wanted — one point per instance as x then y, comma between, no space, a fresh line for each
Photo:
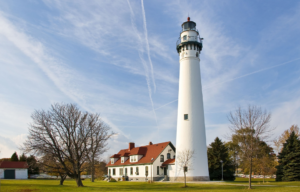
148,152
14,164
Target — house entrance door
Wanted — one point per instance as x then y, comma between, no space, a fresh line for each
165,170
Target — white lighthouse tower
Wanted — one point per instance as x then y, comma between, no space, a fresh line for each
190,120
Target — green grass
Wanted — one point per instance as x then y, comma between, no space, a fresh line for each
240,184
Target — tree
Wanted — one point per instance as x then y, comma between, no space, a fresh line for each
54,168
249,127
183,158
233,152
98,144
23,157
264,163
284,136
33,166
14,157
217,152
289,160
64,132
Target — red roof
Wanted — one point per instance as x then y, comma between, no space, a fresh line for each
148,152
13,164
169,161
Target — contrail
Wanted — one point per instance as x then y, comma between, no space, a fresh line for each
166,104
143,61
238,78
149,87
258,71
147,44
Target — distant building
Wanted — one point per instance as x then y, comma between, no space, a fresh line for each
13,170
156,161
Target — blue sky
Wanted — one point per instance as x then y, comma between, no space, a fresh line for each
118,58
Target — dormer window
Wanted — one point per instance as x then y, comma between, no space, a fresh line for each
112,160
134,158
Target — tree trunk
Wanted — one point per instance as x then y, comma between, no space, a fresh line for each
78,181
184,179
250,173
93,169
62,179
264,179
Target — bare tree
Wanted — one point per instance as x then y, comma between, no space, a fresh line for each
98,142
64,132
284,136
53,167
249,127
183,159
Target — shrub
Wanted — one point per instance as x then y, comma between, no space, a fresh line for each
112,180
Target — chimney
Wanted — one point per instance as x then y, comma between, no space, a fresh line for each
131,146
150,143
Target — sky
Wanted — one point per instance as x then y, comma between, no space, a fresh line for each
118,58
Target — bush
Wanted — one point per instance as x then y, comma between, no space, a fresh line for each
112,180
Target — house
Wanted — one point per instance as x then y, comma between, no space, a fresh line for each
13,170
156,161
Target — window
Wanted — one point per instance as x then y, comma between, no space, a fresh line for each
114,171
185,116
157,170
122,159
194,47
174,157
168,156
137,170
121,171
191,46
182,48
131,170
184,37
146,171
187,47
109,172
162,158
112,160
197,54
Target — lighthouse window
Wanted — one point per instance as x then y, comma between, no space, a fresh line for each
194,47
191,47
185,116
187,47
197,54
184,37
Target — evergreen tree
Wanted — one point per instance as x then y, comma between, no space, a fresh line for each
217,152
14,157
291,168
23,157
33,165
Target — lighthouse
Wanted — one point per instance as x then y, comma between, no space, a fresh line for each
190,119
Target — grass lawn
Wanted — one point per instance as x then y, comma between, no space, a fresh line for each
34,185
